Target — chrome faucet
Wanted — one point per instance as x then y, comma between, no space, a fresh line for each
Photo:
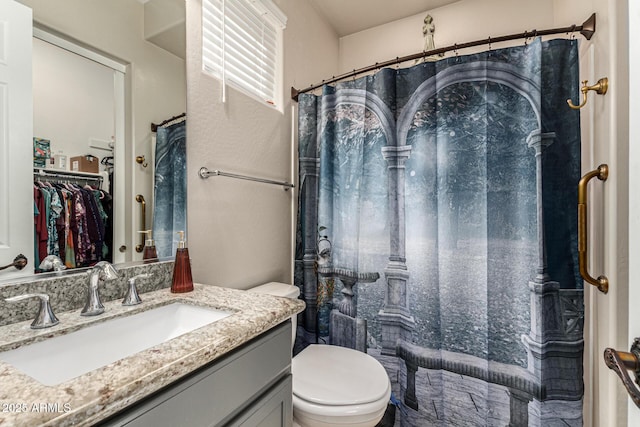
45,317
101,271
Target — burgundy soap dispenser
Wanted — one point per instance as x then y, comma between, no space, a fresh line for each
182,280
149,254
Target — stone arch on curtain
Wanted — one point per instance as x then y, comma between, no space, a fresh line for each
395,316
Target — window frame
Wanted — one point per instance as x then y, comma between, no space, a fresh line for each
243,64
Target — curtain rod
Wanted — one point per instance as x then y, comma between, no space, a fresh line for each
587,29
154,127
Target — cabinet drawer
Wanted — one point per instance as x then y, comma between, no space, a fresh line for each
217,393
273,409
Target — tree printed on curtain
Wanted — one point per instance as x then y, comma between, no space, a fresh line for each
437,232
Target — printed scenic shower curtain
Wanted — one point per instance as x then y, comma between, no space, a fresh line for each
170,187
437,232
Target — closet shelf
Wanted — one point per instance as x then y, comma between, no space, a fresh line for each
49,172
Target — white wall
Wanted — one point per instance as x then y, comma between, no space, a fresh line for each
459,22
155,80
604,123
240,231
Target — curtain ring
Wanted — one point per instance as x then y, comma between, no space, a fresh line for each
571,31
489,43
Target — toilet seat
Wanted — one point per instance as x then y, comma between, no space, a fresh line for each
334,385
312,415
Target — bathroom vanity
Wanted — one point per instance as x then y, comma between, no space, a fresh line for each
234,371
251,386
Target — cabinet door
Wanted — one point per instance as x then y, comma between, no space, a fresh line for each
274,409
16,133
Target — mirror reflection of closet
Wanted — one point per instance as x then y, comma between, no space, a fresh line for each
76,108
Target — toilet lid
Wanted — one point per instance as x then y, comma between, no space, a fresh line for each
277,289
331,375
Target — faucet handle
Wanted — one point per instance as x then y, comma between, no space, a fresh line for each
106,270
45,317
132,297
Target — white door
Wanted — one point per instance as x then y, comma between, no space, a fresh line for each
634,191
16,144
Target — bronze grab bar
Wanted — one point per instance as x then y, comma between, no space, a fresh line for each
143,220
620,362
19,262
602,283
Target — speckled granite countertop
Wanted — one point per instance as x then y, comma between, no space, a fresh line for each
94,396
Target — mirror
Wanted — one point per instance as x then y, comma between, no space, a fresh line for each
147,86
75,115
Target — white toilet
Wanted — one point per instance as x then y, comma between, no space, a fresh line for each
333,386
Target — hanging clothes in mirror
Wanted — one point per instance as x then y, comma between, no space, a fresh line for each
71,220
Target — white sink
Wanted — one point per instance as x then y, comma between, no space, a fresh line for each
61,358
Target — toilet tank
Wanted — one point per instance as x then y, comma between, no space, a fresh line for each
278,289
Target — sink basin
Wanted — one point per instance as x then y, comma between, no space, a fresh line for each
61,358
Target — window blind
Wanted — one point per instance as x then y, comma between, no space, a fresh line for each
241,44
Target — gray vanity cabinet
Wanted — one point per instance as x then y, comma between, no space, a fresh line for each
251,386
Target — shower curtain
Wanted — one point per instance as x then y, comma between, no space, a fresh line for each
170,187
437,232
